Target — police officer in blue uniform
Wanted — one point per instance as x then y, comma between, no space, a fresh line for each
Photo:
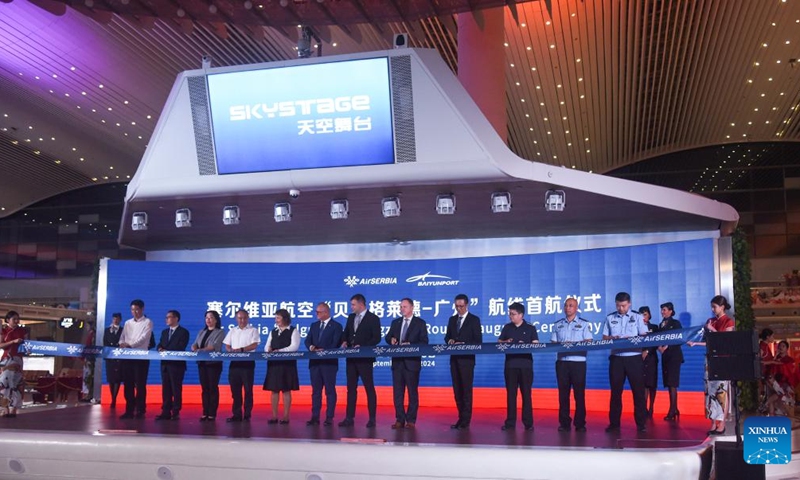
625,363
571,366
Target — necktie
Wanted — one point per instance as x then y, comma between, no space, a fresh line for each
404,331
321,328
358,322
458,325
170,334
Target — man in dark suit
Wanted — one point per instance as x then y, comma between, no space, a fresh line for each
113,367
174,338
363,328
463,328
406,330
326,334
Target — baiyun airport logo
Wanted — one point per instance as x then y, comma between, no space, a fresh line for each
432,280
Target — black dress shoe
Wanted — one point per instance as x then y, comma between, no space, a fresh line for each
176,416
138,415
563,428
456,425
529,428
464,426
126,416
507,427
246,418
284,422
328,422
612,428
272,421
717,432
162,417
398,425
233,419
641,428
371,423
580,429
312,422
347,422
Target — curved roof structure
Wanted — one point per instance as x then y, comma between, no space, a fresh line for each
604,84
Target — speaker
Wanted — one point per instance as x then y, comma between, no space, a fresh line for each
400,40
729,463
733,355
734,367
732,343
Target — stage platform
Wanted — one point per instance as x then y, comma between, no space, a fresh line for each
433,427
90,442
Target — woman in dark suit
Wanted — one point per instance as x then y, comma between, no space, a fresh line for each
209,340
650,364
282,375
671,360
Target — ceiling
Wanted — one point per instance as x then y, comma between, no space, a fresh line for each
592,85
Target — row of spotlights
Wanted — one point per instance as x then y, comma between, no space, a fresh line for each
555,201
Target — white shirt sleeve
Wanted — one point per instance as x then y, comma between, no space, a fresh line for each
254,337
295,345
269,341
227,340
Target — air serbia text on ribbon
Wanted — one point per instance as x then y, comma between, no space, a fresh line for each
671,337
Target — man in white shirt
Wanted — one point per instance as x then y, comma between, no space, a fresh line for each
243,338
136,334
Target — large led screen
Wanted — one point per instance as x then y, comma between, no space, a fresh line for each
682,273
307,116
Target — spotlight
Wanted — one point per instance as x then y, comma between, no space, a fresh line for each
340,209
501,202
248,5
183,218
390,207
283,212
230,215
555,200
139,221
400,40
446,204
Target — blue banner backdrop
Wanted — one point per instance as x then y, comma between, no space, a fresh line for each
681,272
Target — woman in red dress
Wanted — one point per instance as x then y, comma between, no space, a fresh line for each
717,390
783,363
13,335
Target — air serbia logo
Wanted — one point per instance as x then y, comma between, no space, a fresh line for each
767,440
439,280
352,280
